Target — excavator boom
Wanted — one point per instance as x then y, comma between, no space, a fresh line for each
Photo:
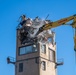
59,23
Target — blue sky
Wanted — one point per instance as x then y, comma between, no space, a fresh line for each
11,10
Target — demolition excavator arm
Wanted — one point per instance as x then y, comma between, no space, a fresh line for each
59,23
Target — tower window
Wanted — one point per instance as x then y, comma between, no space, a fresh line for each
27,49
20,67
43,64
43,48
52,55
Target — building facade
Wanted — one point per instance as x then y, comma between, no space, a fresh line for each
35,58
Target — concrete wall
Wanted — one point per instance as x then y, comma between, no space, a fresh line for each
50,65
30,67
50,68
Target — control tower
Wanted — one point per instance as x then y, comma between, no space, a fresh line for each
35,54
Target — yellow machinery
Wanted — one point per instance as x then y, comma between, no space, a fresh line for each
59,23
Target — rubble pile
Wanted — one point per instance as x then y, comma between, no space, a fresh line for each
29,27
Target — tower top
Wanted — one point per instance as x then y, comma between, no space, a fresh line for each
28,29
